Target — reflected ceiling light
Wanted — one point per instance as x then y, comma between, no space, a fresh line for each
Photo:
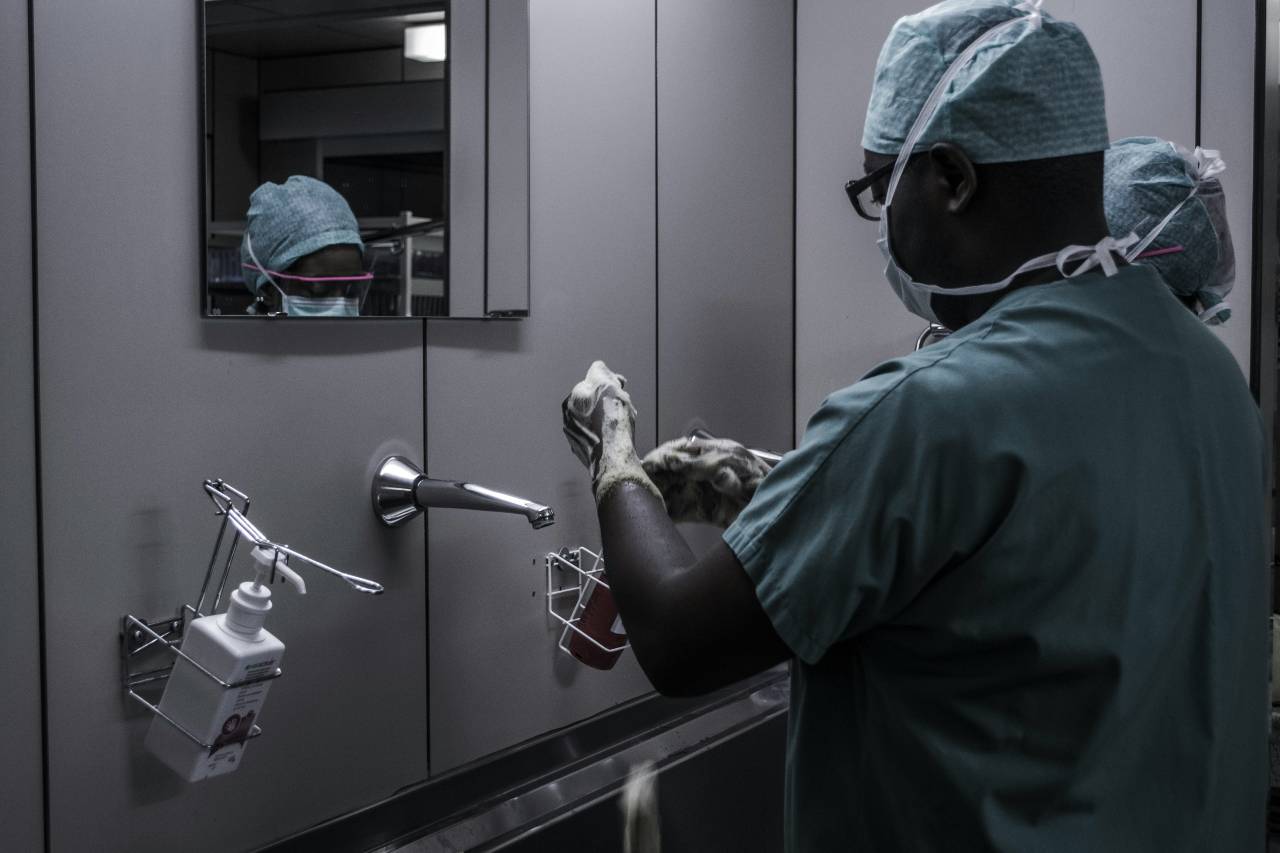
420,17
425,43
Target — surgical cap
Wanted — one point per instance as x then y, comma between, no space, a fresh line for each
291,220
1145,179
1033,92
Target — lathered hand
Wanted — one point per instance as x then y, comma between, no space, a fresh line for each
705,480
599,423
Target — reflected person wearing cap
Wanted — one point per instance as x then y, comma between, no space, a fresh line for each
1021,573
1174,198
302,254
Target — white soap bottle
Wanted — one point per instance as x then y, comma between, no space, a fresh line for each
235,647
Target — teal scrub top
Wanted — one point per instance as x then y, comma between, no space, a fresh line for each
1023,572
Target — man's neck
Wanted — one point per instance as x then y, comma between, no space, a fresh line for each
957,312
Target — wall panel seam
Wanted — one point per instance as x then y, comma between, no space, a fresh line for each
1260,362
35,368
426,560
1199,65
795,117
657,241
485,195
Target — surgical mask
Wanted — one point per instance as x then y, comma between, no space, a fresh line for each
916,295
311,306
1205,165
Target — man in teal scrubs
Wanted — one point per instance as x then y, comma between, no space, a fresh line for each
1022,572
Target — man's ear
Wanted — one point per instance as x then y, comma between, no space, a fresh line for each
956,174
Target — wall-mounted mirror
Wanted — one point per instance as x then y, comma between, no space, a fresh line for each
365,158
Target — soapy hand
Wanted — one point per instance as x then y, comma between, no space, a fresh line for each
583,405
599,422
705,479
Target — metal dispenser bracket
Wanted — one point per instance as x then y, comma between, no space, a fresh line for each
149,650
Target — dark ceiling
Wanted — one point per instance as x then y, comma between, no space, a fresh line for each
268,29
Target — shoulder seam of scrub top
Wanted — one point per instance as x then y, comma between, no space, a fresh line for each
748,549
883,396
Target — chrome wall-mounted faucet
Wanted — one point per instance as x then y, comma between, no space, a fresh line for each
401,490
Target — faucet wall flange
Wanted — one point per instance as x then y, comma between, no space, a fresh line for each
393,491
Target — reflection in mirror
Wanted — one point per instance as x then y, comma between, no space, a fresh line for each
325,169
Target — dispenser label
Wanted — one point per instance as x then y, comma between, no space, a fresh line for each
237,712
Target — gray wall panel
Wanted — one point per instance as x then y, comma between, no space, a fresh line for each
725,219
21,784
141,399
847,318
494,389
507,288
1227,123
1147,50
467,129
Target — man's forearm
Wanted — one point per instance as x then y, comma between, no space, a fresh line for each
694,623
646,558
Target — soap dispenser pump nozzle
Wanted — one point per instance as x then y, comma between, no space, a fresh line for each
270,563
251,601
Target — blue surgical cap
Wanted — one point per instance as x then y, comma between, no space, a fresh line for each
1145,180
1033,92
291,220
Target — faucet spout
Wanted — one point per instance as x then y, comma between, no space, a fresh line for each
401,490
459,495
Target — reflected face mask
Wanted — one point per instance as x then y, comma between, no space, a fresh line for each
353,288
310,306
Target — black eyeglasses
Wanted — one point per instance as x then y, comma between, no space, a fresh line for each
862,195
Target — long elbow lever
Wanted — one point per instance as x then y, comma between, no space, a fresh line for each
768,457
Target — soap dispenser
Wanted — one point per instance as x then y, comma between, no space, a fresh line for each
234,647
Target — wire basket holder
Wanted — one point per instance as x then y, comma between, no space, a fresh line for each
137,631
569,562
149,650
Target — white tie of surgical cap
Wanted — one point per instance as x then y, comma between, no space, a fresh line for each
1207,162
1033,10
